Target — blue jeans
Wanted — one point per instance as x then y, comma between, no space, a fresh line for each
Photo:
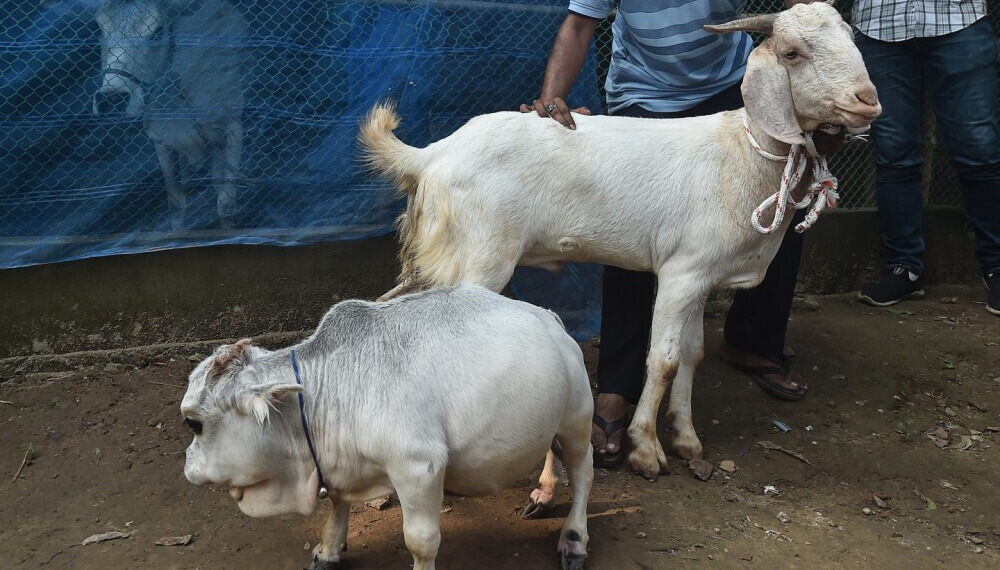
960,72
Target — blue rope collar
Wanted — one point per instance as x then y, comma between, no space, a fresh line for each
323,491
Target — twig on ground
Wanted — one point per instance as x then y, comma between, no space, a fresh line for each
6,402
211,538
166,384
57,553
769,446
24,461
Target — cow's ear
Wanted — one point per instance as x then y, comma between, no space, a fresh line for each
259,400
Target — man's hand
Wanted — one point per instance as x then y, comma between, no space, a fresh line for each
557,109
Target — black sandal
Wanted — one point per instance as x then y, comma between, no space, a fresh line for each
759,375
610,460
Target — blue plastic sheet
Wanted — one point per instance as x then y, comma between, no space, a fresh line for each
80,176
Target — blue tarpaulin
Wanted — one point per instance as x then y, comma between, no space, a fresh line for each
77,181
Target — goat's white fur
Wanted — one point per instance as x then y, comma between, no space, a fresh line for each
668,196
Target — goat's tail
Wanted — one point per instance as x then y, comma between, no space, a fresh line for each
386,154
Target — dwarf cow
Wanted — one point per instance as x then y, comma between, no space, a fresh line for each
456,389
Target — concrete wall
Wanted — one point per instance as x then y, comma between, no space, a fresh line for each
233,291
184,295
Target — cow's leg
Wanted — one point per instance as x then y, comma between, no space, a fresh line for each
225,172
176,200
330,550
544,496
675,305
692,344
420,488
578,455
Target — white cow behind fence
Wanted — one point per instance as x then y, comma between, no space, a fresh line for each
179,65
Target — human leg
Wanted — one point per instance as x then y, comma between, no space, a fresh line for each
757,321
962,75
897,71
626,318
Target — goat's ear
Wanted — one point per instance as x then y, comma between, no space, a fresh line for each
767,95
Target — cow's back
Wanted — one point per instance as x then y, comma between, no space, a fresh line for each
459,374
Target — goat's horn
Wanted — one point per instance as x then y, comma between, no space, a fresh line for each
760,24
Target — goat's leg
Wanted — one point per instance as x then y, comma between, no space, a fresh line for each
404,287
176,199
329,552
544,496
225,172
692,345
673,308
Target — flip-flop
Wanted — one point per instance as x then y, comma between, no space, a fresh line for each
759,375
610,460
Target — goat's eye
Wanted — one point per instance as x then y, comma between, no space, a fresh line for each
195,425
791,54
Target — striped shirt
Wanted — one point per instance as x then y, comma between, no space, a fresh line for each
898,20
662,59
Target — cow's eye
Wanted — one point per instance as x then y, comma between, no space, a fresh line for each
195,425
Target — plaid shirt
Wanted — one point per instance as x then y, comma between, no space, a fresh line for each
898,20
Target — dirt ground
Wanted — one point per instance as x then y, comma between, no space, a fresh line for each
900,430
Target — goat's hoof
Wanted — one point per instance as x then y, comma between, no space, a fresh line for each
572,561
645,464
533,510
325,564
687,447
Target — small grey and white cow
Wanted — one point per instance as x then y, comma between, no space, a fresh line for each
456,389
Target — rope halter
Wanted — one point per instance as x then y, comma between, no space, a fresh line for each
823,186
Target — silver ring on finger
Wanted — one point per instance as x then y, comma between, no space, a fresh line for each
550,107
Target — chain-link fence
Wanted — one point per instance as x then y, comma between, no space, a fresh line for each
853,166
130,125
136,125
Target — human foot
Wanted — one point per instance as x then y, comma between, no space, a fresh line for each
606,434
774,377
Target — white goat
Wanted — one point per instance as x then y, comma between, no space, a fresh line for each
669,196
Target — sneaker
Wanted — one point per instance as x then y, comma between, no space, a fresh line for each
894,286
992,281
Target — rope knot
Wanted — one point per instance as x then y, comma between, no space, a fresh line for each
820,194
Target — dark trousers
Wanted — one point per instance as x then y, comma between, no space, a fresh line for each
959,71
756,320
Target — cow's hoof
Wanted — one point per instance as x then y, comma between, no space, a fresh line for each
533,510
572,561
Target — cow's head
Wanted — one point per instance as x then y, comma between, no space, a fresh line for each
246,435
